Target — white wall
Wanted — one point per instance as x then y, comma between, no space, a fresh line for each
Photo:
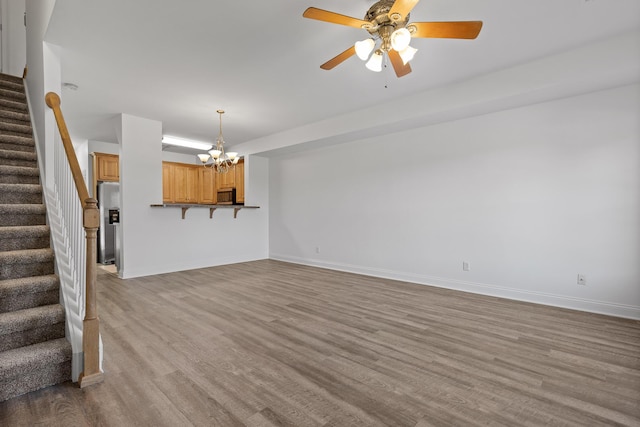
530,197
14,37
38,14
157,240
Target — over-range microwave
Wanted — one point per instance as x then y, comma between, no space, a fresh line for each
227,196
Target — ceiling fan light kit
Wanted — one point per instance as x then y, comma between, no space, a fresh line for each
364,48
400,39
407,54
388,22
375,62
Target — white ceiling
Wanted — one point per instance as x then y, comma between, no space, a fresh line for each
180,61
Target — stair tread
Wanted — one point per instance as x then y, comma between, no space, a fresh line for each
11,84
13,105
12,93
19,170
25,285
10,78
31,318
18,361
13,231
22,208
28,255
27,188
17,117
18,128
16,139
11,87
19,155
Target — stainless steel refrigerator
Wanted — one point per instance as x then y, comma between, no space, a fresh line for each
109,205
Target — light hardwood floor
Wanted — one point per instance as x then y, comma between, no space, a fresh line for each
268,343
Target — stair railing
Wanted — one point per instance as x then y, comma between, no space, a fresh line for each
91,373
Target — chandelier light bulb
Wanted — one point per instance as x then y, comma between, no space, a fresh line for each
232,155
203,157
215,153
407,54
400,39
364,48
375,63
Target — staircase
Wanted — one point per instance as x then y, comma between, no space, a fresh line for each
34,352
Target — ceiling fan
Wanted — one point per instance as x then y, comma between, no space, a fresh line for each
388,22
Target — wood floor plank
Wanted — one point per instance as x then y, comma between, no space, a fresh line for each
268,343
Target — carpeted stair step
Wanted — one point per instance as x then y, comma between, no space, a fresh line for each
13,105
29,292
19,175
13,94
11,142
16,128
14,117
20,193
25,263
18,158
33,367
24,237
22,214
31,326
10,84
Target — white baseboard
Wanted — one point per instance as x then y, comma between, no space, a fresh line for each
600,307
130,273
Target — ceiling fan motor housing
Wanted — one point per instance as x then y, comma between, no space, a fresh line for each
378,15
383,24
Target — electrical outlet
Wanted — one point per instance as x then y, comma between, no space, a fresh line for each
582,279
465,266
317,249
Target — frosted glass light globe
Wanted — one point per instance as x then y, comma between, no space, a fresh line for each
375,63
407,54
400,39
364,48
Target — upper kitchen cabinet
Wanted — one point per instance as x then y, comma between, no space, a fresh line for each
107,167
226,180
239,177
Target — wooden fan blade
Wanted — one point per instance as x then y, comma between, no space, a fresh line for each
338,59
400,68
448,30
334,18
402,7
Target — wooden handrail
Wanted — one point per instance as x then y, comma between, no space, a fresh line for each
53,101
90,221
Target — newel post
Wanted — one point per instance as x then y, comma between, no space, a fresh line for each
91,331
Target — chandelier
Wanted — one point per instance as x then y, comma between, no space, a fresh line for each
221,161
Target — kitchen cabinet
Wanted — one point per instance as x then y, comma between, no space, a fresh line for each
228,179
193,184
180,183
167,182
239,181
107,167
207,186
